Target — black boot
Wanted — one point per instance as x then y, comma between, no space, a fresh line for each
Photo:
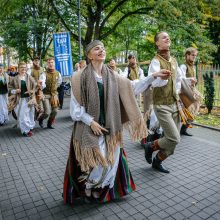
148,152
186,133
183,131
41,123
157,164
50,126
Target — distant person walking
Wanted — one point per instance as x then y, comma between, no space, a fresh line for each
189,73
22,99
36,72
51,80
4,79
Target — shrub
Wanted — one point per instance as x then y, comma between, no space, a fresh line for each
209,90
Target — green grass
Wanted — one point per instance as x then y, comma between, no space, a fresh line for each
210,120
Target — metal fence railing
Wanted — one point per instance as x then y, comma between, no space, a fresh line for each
215,69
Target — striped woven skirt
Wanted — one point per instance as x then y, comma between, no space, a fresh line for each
73,188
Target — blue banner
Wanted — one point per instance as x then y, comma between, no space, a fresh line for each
62,53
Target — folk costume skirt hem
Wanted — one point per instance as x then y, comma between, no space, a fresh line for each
73,188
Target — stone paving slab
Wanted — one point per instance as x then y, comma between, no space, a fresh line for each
32,170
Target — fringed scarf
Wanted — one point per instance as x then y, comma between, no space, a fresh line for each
15,83
120,107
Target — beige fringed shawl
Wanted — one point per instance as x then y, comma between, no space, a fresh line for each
190,97
121,111
15,83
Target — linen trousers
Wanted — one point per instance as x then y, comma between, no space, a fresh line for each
169,119
48,109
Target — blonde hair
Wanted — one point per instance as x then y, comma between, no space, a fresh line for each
22,64
190,50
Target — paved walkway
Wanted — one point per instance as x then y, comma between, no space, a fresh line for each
32,169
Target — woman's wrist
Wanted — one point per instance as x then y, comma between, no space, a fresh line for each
154,75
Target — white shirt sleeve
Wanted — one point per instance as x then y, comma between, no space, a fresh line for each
139,85
155,67
42,78
183,69
78,113
141,73
125,73
178,80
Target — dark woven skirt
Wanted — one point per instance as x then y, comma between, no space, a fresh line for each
73,189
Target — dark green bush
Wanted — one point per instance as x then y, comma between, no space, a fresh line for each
209,90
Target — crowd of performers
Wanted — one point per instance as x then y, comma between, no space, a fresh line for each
30,97
104,102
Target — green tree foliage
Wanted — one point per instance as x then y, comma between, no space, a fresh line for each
27,26
181,19
99,18
209,91
212,22
123,25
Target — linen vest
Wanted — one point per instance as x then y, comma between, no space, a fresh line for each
51,83
190,72
133,73
166,95
36,73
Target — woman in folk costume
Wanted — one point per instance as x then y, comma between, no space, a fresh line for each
102,103
22,99
4,78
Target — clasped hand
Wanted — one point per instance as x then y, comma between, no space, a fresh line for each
97,128
163,74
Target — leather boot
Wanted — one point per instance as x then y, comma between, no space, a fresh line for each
50,122
183,131
148,152
50,126
149,148
157,164
41,123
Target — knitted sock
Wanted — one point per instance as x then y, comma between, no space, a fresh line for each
161,155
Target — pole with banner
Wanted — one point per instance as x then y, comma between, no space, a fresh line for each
62,53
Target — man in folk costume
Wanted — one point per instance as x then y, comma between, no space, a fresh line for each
36,72
189,73
22,99
102,103
165,105
4,79
133,71
112,65
51,80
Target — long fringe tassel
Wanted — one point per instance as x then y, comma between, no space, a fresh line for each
88,158
137,129
111,143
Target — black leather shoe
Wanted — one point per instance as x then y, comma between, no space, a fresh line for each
148,152
50,126
157,164
41,123
186,133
